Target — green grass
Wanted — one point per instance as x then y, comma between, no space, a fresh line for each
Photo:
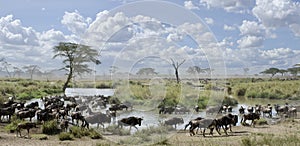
268,89
269,139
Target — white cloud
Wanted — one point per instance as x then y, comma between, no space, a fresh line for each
209,21
13,32
190,5
75,23
252,28
228,28
240,6
250,42
278,13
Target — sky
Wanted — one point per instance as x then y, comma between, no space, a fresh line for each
226,36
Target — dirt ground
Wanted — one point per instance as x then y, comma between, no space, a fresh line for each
181,138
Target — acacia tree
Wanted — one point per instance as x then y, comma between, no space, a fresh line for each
6,66
146,71
194,69
76,59
282,71
271,71
176,66
31,69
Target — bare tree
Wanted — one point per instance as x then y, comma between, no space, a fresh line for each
17,71
31,69
6,66
176,66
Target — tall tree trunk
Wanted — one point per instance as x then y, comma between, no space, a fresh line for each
70,75
177,76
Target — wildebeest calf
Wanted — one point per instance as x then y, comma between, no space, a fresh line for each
27,126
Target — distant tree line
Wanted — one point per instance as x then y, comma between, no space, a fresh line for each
273,71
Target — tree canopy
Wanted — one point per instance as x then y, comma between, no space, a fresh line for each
146,71
271,71
76,59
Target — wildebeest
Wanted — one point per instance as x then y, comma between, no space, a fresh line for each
213,109
267,110
181,110
250,116
192,122
64,125
26,114
27,125
165,110
32,105
292,112
130,121
99,118
7,111
227,120
78,117
250,109
241,110
281,109
174,121
205,124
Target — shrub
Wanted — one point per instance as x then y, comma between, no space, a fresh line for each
65,136
262,121
79,132
13,125
95,135
50,128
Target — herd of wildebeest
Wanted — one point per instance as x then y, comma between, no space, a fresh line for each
80,111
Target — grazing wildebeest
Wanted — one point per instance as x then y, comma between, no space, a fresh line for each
130,121
174,121
27,125
241,110
192,122
250,116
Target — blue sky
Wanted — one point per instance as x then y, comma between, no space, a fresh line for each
227,36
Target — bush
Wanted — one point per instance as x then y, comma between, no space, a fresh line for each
50,128
65,136
95,135
230,101
13,125
79,132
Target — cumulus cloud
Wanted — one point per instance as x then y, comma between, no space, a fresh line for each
228,28
250,42
278,13
239,6
13,32
75,23
190,5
